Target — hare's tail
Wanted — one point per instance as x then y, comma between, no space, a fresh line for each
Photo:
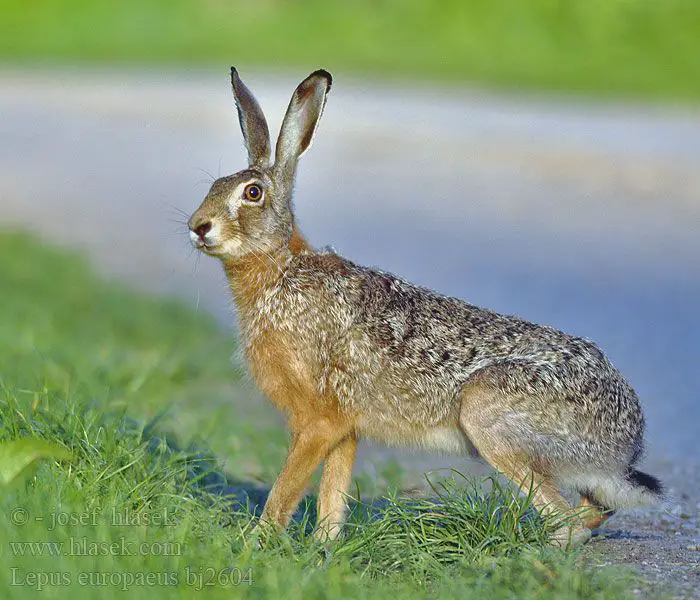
646,484
621,490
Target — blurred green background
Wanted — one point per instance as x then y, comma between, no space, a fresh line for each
645,48
566,213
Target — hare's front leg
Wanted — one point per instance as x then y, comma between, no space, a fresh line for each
335,483
310,444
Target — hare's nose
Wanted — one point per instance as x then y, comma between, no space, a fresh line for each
203,229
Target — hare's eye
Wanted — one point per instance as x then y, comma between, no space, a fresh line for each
253,192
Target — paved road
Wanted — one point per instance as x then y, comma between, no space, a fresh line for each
583,216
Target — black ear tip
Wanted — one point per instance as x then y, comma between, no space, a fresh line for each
234,73
325,74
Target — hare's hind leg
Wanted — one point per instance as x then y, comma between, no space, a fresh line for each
592,514
335,482
483,416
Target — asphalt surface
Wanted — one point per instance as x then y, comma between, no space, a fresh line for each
580,215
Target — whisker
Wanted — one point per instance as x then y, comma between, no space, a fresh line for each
260,260
265,253
183,228
212,179
190,246
223,212
177,210
181,218
187,243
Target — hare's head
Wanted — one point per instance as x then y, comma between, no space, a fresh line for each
251,211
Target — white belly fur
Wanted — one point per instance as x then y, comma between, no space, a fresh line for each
440,438
448,440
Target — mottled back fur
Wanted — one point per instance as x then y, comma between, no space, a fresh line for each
348,351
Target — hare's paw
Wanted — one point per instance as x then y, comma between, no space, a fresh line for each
326,533
259,536
568,538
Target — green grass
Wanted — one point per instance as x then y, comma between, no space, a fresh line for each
642,48
126,384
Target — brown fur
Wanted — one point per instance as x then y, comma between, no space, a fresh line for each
507,455
319,428
592,515
298,243
347,351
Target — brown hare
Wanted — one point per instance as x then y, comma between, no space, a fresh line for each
347,351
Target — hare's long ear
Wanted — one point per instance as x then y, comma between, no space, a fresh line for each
253,123
300,122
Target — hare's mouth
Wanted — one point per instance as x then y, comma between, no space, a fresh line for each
203,243
206,247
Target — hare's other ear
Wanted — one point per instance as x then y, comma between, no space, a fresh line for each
253,123
301,120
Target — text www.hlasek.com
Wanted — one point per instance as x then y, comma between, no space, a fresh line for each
85,547
197,578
